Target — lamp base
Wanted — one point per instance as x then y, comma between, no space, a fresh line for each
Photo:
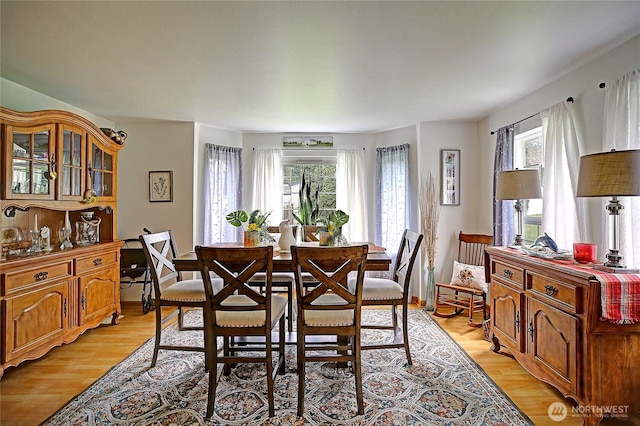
616,270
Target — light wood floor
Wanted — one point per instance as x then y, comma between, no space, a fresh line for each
34,390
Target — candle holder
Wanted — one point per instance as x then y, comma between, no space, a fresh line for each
64,236
35,241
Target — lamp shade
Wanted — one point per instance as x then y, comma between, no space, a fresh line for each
519,184
613,173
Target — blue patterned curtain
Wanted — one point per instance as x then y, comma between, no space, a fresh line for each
392,195
222,192
503,226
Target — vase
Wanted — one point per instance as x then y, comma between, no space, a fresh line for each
430,282
251,238
286,237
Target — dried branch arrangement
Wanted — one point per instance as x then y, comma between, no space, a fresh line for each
430,213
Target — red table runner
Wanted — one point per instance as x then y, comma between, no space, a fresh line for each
620,297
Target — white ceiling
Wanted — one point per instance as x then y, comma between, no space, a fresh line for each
303,66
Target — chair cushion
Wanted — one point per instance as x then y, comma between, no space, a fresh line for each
329,318
378,289
471,276
185,291
248,318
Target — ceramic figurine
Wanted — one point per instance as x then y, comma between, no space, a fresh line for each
545,241
286,237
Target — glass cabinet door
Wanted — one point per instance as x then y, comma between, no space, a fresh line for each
72,159
102,171
32,160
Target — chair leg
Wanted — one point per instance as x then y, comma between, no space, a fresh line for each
358,373
213,375
405,332
269,364
301,362
156,346
290,307
281,349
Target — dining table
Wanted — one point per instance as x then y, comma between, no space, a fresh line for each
377,258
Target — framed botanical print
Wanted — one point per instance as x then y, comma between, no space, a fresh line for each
161,186
450,177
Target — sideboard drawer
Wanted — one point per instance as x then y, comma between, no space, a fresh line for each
564,295
98,260
15,281
508,273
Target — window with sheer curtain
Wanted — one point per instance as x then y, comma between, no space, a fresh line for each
622,132
392,195
222,192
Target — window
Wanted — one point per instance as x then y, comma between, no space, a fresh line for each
320,171
528,152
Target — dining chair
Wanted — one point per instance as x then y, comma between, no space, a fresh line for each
329,309
238,311
169,288
393,292
468,287
279,280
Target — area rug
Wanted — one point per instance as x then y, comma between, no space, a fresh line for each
442,387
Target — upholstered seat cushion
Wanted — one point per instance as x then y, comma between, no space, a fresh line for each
276,278
378,289
248,318
328,318
185,291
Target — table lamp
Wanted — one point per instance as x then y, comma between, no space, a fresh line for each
518,184
611,174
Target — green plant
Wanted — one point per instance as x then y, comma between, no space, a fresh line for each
255,220
334,221
308,211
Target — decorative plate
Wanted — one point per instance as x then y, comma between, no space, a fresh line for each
547,253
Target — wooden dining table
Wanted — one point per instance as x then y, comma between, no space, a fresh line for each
377,259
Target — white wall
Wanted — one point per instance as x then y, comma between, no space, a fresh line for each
582,84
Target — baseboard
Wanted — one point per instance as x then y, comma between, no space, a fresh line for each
417,301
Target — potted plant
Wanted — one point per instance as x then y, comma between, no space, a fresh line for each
255,230
330,234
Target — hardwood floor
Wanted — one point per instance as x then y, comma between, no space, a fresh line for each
34,390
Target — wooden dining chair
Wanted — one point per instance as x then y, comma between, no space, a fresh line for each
468,287
169,288
237,310
329,309
280,280
393,292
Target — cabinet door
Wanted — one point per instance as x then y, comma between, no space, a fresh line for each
552,343
98,295
29,154
72,163
506,315
35,318
102,171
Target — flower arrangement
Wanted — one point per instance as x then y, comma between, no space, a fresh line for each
430,213
255,228
90,196
332,225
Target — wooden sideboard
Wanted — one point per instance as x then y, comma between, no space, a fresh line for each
547,314
55,165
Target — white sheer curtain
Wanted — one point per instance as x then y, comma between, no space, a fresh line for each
222,192
267,183
563,215
392,195
621,131
350,193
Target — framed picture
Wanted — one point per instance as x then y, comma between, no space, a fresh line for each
307,141
161,186
450,177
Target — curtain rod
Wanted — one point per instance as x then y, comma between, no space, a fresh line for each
309,149
569,99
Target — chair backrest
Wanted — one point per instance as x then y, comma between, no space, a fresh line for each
406,257
276,230
471,248
330,266
160,250
235,266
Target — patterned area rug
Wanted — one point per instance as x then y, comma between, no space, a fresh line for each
443,387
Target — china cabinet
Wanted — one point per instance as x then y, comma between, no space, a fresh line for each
58,169
547,315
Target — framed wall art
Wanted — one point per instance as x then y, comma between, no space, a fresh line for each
161,186
450,177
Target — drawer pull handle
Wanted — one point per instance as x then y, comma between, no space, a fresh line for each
518,322
507,273
531,329
40,276
97,262
550,290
